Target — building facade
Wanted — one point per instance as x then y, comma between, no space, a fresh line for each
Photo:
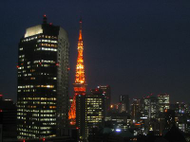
135,110
106,89
94,110
7,119
164,102
124,103
42,95
150,107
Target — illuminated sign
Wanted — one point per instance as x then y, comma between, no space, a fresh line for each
143,117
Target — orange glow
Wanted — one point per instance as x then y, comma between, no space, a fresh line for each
80,89
80,82
137,124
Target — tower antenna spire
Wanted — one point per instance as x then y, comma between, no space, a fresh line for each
80,21
80,29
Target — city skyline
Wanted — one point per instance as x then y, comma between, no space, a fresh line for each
134,48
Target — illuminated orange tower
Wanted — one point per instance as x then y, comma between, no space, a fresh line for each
80,83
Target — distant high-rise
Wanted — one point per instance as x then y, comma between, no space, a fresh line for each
164,102
7,119
150,107
106,89
43,65
135,110
94,109
124,103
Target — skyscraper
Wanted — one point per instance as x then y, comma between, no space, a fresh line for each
94,110
150,107
43,64
135,110
107,97
8,118
124,103
164,102
77,109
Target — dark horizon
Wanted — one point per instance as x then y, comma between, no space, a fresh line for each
136,47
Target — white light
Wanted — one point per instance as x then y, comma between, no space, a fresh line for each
33,31
118,130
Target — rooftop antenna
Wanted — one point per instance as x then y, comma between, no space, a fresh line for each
44,19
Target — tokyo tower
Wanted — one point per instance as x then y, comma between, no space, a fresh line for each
80,82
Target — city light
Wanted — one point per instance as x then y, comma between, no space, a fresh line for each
118,130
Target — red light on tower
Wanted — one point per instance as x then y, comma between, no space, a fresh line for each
57,64
80,21
43,139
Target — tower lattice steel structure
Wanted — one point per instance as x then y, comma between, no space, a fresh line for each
80,82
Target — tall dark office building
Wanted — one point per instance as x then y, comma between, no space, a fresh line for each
94,110
107,97
150,107
7,119
43,64
135,110
124,103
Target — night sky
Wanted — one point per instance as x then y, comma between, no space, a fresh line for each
137,47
